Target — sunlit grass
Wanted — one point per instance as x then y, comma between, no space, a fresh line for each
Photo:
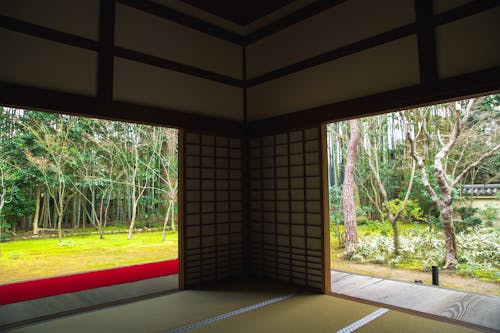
39,258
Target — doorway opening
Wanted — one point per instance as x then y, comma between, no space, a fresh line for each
418,188
85,203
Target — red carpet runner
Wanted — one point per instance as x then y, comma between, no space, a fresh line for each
23,291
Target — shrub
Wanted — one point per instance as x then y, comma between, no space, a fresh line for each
468,220
490,215
411,213
362,220
466,212
478,251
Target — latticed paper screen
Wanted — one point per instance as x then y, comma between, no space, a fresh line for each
285,226
213,208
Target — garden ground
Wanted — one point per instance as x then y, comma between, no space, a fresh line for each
22,260
446,279
409,270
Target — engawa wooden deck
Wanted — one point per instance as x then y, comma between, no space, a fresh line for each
478,309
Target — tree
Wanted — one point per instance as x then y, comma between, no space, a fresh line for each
95,174
57,162
164,146
6,171
372,147
350,228
433,135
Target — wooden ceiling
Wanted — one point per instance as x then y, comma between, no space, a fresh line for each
241,12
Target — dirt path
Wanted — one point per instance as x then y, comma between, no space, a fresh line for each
446,279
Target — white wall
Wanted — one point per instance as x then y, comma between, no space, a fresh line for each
41,63
148,85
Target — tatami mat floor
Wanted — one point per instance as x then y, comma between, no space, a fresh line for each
201,311
43,308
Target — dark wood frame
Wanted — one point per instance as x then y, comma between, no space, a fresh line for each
106,45
325,212
181,198
429,90
449,89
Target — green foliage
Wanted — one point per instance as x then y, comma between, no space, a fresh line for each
411,213
466,212
468,220
479,251
490,215
85,166
362,220
378,227
336,214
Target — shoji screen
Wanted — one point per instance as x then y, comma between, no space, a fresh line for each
213,208
286,233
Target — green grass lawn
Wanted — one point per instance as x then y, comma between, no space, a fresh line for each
39,258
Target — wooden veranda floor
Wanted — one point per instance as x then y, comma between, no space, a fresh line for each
473,308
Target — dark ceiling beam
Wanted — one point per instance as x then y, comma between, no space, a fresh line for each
176,66
106,45
291,19
183,19
79,105
462,86
106,50
336,53
463,11
426,41
47,33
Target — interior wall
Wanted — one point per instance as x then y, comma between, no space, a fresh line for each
286,234
338,26
330,58
469,44
213,207
143,59
160,87
383,68
79,17
41,63
153,35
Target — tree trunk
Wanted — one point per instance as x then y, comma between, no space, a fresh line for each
350,228
60,217
173,215
451,258
36,215
132,220
395,235
165,222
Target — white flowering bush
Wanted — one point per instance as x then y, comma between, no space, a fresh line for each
478,251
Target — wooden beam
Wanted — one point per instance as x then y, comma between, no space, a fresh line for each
335,54
184,19
52,101
181,213
177,67
106,44
47,33
462,86
291,19
426,41
463,11
325,212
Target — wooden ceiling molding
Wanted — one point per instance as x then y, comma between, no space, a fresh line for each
241,12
